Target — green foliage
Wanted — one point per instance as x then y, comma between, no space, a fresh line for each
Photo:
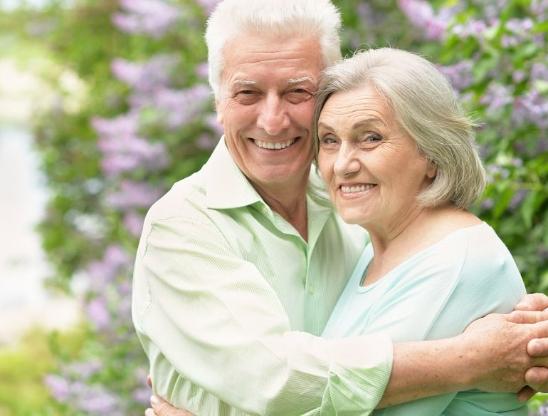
512,137
22,369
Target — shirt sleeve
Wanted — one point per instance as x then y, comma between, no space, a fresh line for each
219,341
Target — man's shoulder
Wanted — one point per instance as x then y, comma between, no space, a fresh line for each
185,199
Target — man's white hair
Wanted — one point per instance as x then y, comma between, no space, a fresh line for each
231,18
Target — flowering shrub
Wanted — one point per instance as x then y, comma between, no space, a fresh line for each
147,120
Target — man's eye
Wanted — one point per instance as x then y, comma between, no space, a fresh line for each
246,96
298,95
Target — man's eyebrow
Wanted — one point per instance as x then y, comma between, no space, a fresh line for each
293,81
244,82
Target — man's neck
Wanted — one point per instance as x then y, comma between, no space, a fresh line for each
289,202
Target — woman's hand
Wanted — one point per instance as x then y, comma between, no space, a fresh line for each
162,408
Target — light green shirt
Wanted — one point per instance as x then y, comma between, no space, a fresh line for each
436,293
229,301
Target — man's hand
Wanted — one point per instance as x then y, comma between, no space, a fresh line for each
533,308
162,408
533,302
520,341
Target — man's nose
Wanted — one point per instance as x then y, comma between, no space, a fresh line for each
346,162
273,117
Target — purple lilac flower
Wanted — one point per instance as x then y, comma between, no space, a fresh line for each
122,126
208,5
539,72
104,271
472,28
98,314
495,172
518,76
496,97
517,199
366,14
152,17
520,27
58,386
133,222
460,74
532,108
493,9
133,195
123,150
83,370
487,204
543,410
181,106
508,41
202,70
147,76
96,400
126,154
421,15
539,8
142,395
542,146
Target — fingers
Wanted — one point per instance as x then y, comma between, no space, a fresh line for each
538,347
527,317
523,395
163,408
537,378
533,302
150,412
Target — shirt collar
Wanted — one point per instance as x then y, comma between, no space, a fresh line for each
226,185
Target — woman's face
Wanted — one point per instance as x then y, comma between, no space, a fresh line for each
373,170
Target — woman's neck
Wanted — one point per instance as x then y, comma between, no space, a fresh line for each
422,229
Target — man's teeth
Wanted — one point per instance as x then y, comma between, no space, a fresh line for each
356,188
274,146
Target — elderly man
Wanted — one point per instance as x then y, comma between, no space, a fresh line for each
240,265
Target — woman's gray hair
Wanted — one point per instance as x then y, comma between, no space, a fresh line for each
426,107
231,18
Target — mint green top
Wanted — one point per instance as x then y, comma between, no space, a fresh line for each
229,301
435,294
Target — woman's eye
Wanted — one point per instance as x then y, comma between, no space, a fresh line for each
370,139
328,142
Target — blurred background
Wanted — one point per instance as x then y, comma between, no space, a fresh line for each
104,104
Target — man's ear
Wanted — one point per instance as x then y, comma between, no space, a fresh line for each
219,111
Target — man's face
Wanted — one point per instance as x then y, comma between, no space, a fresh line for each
266,103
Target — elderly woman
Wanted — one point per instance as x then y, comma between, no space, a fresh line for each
397,155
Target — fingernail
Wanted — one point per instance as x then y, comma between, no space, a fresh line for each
154,401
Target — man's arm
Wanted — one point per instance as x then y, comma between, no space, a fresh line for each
493,354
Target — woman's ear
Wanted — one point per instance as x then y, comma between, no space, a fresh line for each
431,170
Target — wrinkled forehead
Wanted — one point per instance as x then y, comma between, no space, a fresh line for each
295,57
